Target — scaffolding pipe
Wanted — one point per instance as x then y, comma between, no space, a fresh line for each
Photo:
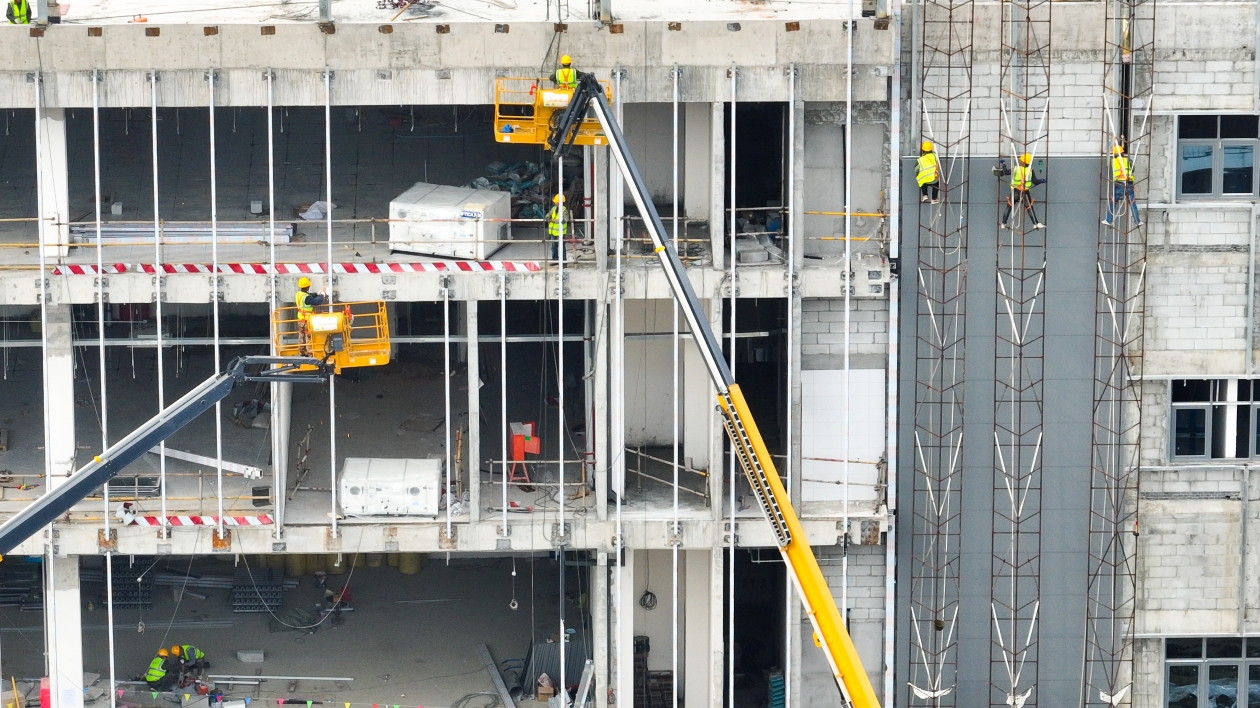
332,378
276,453
677,392
848,290
50,662
446,397
214,308
164,531
564,214
504,531
100,329
619,391
894,337
731,571
790,597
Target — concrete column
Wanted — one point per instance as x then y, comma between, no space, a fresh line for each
699,397
601,203
64,636
603,461
696,653
717,182
60,404
697,153
599,623
623,637
716,667
472,460
717,433
798,200
281,417
55,176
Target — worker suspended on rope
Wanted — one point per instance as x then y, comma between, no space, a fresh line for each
928,173
1023,179
1122,186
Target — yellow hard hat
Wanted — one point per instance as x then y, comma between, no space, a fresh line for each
558,199
162,652
304,282
1025,159
1117,150
927,146
175,649
566,60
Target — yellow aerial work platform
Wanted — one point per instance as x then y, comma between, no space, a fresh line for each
525,111
345,334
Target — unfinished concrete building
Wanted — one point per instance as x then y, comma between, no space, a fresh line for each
1019,443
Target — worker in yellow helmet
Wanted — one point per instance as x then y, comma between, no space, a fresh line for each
557,225
1023,179
189,656
306,303
160,675
566,76
928,173
18,12
1122,185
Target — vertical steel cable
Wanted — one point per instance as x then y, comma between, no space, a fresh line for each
332,378
49,627
734,470
503,419
848,292
563,251
619,390
446,398
158,294
674,531
214,307
788,594
277,474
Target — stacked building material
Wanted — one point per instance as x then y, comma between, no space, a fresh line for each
20,586
181,232
133,582
258,590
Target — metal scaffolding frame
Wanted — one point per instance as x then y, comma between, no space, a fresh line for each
1019,351
1128,75
944,109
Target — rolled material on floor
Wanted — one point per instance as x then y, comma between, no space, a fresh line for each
391,559
411,563
295,564
335,565
374,560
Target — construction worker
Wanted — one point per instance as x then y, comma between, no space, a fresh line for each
337,601
557,225
566,76
160,676
190,657
1122,185
1023,179
929,173
18,12
306,304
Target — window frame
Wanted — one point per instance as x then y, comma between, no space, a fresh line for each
1218,144
1207,433
1203,666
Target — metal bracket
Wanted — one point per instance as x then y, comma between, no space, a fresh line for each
444,287
100,282
330,75
676,72
562,286
32,77
391,546
675,537
504,290
448,541
331,542
221,544
389,279
442,73
734,69
154,76
504,530
269,74
389,294
205,76
618,73
791,71
560,537
727,535
279,546
502,544
384,74
104,544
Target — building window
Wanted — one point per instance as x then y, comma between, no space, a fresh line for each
1216,156
1214,419
1206,673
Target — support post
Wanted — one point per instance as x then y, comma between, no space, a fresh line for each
281,424
624,644
698,397
716,667
602,200
717,183
696,652
65,630
325,11
55,179
697,148
601,431
599,624
472,456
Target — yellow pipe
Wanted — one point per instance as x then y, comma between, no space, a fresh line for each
820,606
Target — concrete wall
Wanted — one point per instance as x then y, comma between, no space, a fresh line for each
653,571
649,132
822,334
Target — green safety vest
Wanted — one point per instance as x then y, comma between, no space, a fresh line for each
300,301
21,12
555,221
157,669
1121,169
566,78
927,169
1021,178
191,653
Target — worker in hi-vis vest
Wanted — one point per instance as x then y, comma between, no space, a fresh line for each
1023,179
160,676
306,303
928,173
18,12
1122,185
557,226
189,656
566,76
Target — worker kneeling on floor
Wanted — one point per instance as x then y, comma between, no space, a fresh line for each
190,657
161,675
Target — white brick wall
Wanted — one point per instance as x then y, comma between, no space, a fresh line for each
1196,301
822,326
1188,565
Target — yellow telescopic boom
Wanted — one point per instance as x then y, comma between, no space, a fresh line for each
749,448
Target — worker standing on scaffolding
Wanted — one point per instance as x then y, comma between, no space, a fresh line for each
557,225
306,304
1023,179
1122,185
566,76
928,173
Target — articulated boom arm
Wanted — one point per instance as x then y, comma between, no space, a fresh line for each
749,448
110,463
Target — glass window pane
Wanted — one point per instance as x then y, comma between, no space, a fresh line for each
1223,686
1183,686
1183,648
1238,126
1190,127
1190,432
1253,683
1218,428
1191,391
1196,169
1224,648
1238,169
1253,652
1243,433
